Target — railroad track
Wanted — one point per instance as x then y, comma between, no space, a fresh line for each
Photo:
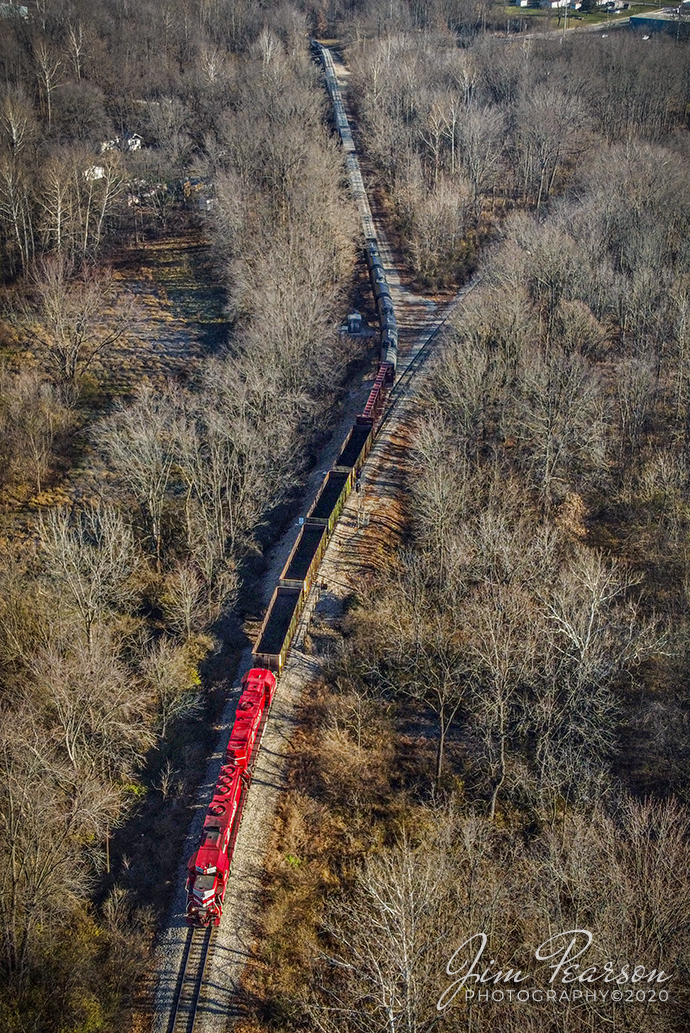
190,982
184,1011
416,361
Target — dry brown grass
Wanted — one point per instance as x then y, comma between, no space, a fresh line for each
335,813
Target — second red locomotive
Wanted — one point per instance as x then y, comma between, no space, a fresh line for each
209,865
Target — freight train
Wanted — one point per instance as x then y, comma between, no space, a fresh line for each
290,596
209,865
377,274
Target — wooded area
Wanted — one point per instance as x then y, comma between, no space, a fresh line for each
129,514
502,743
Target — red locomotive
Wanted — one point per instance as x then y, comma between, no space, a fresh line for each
209,865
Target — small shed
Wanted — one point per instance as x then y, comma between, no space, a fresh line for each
355,323
14,11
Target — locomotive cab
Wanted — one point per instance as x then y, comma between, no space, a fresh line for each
208,869
205,899
206,887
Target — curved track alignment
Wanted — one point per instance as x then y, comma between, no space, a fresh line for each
416,361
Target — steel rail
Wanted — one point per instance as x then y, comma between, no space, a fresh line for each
190,982
415,363
185,1004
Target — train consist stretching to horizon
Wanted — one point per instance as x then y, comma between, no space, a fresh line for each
209,865
377,274
295,582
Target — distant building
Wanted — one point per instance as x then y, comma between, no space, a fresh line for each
129,142
666,20
14,11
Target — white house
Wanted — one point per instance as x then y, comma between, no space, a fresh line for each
14,11
130,142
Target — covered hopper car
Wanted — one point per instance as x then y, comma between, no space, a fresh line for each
377,274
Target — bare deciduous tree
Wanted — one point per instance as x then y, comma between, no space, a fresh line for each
76,200
504,655
72,328
17,121
140,442
90,555
94,710
421,651
482,144
593,633
561,418
551,128
182,599
635,388
386,944
16,212
175,682
45,815
437,489
31,416
49,74
75,48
